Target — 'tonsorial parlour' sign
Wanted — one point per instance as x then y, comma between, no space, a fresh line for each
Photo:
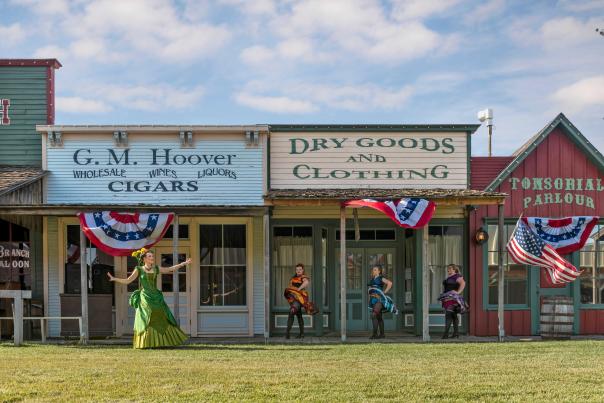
370,160
157,172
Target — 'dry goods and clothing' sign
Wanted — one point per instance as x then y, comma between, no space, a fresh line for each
155,171
370,160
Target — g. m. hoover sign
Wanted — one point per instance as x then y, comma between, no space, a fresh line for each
159,172
390,160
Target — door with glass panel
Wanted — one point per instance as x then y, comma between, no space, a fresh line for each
164,258
358,272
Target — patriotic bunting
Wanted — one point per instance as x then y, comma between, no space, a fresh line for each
566,235
407,212
119,234
525,247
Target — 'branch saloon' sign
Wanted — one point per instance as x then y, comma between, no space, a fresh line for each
14,255
155,172
370,160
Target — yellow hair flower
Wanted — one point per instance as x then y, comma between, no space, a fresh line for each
138,254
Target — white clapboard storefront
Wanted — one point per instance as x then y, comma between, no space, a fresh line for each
212,177
395,160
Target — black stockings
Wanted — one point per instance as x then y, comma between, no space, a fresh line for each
451,318
377,320
295,310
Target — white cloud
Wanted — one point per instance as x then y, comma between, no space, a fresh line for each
81,105
12,34
568,31
316,31
485,11
582,95
108,30
418,9
101,98
50,52
310,97
276,104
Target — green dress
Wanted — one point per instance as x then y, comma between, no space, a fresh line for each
154,324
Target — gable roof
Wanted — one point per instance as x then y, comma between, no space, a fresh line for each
527,148
484,169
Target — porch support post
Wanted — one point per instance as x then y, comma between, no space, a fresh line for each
425,286
500,273
267,275
343,272
84,287
175,277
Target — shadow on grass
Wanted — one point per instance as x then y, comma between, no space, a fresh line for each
201,347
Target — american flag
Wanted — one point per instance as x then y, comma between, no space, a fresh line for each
527,248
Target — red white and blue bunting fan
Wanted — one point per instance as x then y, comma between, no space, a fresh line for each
566,235
406,212
119,234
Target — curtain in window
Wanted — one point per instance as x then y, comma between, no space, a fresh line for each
287,252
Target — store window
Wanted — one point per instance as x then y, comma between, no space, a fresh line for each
324,268
99,264
592,264
223,265
445,247
515,275
291,245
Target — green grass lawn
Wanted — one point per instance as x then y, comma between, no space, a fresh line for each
552,371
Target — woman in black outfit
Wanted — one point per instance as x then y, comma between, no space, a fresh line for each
451,299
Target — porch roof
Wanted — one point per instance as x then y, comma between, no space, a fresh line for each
334,196
13,177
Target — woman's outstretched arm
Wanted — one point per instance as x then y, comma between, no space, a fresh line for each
166,270
126,281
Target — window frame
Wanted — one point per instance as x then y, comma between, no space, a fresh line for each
530,276
576,260
249,265
442,222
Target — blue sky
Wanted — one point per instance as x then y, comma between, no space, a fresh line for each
320,61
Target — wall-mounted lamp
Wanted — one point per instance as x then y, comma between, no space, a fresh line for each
481,236
252,138
55,139
186,139
120,138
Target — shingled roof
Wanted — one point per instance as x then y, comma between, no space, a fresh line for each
348,194
13,177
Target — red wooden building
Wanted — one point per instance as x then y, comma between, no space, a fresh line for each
557,173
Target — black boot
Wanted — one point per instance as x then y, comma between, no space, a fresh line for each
374,322
290,322
447,324
455,326
301,326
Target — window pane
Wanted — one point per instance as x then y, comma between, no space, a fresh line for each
167,281
183,232
385,234
234,285
211,286
210,244
515,284
592,264
234,244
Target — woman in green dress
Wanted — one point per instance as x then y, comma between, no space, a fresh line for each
154,324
